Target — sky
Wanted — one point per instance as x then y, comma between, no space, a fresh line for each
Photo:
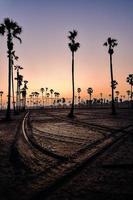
44,52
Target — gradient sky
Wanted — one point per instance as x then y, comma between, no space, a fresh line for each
44,53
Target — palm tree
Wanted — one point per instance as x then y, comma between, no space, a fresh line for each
58,94
128,94
90,91
36,96
51,92
101,97
1,93
31,100
117,95
78,91
130,81
23,91
19,79
13,30
42,91
12,74
73,47
112,43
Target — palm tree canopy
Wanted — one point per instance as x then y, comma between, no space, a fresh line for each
78,90
17,67
11,27
73,45
130,79
128,92
51,91
111,43
117,92
47,94
1,92
42,90
90,91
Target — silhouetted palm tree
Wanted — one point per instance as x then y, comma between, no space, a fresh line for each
90,91
51,92
73,47
112,43
13,30
42,91
1,93
130,81
47,96
101,98
19,79
36,96
31,100
128,94
117,95
13,57
23,91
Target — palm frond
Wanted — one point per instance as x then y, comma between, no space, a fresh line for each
7,23
105,44
2,29
17,38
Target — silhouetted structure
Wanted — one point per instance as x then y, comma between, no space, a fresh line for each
112,43
73,47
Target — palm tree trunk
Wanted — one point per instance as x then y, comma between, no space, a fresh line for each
17,93
8,112
1,101
131,93
111,71
71,114
90,100
13,90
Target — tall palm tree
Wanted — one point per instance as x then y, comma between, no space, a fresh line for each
73,47
12,29
130,81
78,91
90,91
19,79
42,91
111,43
1,93
13,57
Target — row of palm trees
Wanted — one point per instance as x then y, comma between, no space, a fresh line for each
12,30
45,96
110,43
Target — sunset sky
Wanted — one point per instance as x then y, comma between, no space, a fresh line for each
44,52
